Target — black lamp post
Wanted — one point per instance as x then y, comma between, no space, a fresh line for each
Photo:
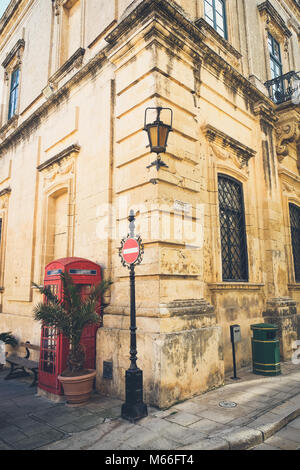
131,252
158,134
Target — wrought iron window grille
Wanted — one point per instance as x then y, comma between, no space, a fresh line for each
295,234
233,230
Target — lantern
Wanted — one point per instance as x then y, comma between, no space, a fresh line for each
158,134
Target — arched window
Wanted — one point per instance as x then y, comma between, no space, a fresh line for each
233,230
215,15
295,234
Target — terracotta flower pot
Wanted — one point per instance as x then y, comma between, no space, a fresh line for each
78,389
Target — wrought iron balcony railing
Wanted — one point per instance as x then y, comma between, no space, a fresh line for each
285,88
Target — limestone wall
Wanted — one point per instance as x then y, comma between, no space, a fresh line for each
73,162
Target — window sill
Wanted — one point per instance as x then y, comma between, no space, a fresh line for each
224,286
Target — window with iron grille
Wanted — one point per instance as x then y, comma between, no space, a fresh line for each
233,230
215,15
295,234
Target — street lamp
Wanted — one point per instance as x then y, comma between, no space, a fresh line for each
158,134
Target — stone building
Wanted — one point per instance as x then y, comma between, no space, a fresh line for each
221,226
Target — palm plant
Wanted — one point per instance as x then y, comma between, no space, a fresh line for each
71,315
8,338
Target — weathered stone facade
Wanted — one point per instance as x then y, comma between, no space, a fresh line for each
73,161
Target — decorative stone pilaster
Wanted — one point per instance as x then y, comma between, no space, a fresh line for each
282,312
179,350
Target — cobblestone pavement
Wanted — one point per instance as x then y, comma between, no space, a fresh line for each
264,405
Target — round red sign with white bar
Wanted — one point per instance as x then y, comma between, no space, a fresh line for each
131,251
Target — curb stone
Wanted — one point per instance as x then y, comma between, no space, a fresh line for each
245,437
213,443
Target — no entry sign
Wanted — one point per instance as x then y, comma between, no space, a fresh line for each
130,251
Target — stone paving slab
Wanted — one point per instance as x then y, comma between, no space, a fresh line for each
282,443
265,406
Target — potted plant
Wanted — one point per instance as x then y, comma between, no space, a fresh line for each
70,316
8,338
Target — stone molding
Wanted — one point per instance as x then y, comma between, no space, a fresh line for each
280,306
60,156
272,16
227,286
8,14
11,124
18,47
290,190
202,24
152,6
75,61
282,311
288,175
188,307
239,150
287,131
294,286
4,194
59,3
5,191
266,112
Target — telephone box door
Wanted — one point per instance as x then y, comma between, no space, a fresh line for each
54,348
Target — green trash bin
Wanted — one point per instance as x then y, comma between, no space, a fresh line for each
265,349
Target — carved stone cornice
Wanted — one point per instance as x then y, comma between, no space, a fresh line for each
5,191
272,16
11,124
147,7
207,28
65,3
235,148
59,157
266,112
290,190
290,183
8,14
287,131
16,51
4,195
187,307
174,20
75,61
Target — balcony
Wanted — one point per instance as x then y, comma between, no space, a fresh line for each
285,88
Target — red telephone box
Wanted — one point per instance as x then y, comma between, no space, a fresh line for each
54,348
